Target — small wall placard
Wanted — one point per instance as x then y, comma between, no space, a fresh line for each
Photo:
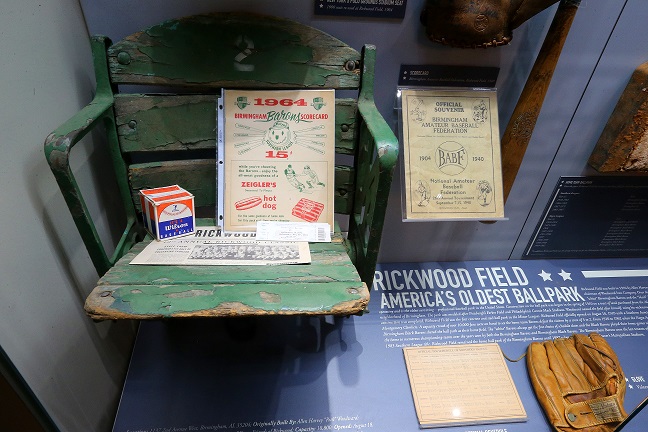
594,217
362,8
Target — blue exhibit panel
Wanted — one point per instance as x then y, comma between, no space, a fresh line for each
312,374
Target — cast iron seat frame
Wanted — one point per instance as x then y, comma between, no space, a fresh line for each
203,54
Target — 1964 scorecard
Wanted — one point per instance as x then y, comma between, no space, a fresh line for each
279,157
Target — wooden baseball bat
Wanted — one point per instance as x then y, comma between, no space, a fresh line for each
520,127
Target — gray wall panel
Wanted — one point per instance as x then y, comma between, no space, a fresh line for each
626,49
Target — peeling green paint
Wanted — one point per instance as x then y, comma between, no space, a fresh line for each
330,263
204,49
168,300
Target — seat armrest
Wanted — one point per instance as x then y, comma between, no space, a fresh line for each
58,146
375,164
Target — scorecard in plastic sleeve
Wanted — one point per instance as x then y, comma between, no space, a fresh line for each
277,154
168,212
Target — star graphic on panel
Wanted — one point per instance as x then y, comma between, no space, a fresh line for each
545,276
565,275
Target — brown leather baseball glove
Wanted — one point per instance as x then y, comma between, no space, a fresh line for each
579,383
477,23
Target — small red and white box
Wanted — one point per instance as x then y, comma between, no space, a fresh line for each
168,212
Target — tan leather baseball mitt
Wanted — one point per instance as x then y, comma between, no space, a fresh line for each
477,23
579,383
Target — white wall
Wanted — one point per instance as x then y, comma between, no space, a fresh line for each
74,366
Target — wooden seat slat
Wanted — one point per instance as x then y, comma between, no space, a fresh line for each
143,123
199,178
223,300
209,51
330,263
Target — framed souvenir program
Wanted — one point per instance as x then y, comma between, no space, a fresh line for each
451,155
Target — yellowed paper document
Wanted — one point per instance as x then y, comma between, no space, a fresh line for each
208,246
451,155
462,384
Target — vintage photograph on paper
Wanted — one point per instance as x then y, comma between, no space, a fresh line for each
451,155
462,384
203,248
279,157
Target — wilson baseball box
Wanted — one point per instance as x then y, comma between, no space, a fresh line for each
168,212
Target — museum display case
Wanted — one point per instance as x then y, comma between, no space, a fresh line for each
490,196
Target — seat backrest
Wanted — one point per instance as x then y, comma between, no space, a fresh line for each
171,138
239,50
